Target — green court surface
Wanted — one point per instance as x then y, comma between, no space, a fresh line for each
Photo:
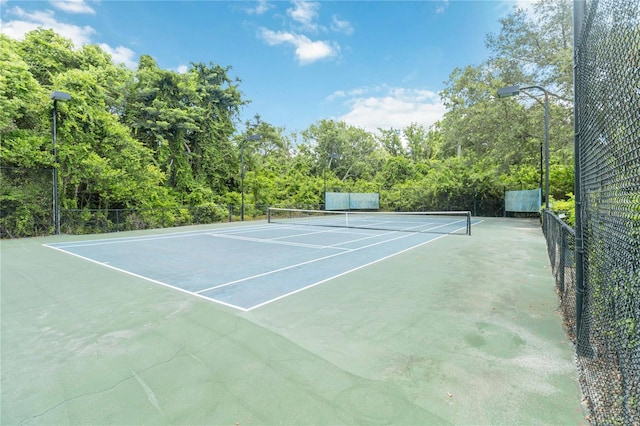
460,330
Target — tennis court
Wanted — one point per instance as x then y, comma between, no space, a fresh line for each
395,328
247,267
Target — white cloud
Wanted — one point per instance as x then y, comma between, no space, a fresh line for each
360,91
182,69
303,16
46,19
341,26
73,6
442,6
336,95
394,108
18,29
303,12
121,55
307,51
29,21
262,7
353,93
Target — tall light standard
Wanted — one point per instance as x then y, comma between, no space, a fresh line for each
248,138
56,96
515,90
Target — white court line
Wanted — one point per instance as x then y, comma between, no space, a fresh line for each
339,231
282,296
341,274
196,233
133,274
405,235
182,234
365,238
149,237
369,224
243,229
324,231
277,242
328,229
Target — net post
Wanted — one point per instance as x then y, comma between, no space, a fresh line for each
268,214
469,223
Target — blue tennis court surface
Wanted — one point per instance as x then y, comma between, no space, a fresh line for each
247,267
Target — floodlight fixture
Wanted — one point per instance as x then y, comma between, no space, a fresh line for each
60,96
505,92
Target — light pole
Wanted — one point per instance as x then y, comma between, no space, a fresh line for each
248,138
515,90
56,96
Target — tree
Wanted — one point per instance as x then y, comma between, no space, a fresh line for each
536,48
344,150
418,143
24,116
505,133
391,141
47,54
267,159
397,170
187,120
272,148
155,137
101,165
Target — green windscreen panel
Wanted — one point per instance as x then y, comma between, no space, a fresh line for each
336,201
523,201
352,201
364,201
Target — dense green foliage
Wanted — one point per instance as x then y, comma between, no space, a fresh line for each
153,139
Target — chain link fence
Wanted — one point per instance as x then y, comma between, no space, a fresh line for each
561,245
93,221
607,102
422,199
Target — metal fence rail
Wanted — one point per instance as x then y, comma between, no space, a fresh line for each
607,105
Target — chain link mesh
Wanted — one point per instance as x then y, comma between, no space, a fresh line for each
561,244
608,123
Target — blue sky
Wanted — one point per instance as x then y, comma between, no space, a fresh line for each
372,64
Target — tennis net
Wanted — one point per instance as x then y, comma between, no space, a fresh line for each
453,222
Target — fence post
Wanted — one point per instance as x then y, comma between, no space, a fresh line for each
578,18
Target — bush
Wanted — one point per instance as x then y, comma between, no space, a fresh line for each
565,209
209,213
